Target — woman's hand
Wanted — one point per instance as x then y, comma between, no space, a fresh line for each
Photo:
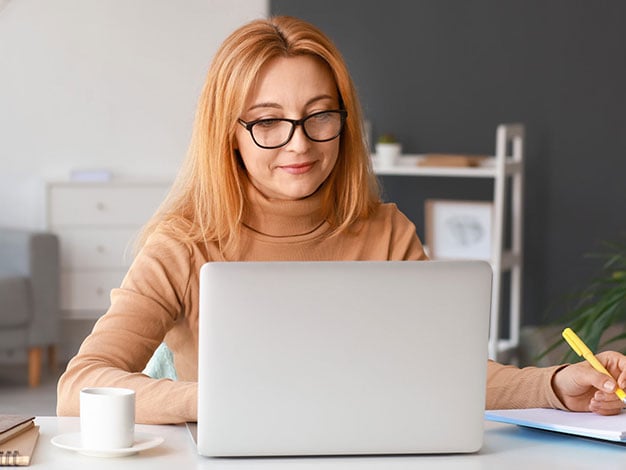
581,388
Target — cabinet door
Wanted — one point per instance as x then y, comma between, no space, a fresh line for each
89,290
97,248
79,206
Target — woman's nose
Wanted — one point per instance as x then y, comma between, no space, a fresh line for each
299,141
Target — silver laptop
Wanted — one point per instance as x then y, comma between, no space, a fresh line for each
327,358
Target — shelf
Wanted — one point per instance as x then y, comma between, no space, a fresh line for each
408,165
505,168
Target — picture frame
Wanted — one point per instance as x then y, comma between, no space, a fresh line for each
458,229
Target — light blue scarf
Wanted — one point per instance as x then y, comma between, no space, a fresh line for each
161,364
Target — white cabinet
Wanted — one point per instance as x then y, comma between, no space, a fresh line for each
505,168
97,224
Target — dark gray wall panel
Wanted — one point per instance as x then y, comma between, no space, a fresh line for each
441,74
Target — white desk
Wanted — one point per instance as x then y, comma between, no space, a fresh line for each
505,446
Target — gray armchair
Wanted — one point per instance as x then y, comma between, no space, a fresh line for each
29,296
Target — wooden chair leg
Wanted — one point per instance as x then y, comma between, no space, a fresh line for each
52,358
34,366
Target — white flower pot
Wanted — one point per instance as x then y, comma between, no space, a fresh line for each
387,153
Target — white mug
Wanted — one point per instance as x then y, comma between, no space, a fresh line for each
107,418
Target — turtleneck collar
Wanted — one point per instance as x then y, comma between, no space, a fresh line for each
277,218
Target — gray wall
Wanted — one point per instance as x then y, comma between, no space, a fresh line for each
442,74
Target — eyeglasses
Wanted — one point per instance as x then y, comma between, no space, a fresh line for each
318,127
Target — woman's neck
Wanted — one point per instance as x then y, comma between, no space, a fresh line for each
282,218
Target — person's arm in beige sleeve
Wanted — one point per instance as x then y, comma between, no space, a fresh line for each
512,387
574,387
405,244
123,340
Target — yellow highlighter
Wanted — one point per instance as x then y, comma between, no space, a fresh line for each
581,349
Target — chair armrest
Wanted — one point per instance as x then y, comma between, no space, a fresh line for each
35,255
15,252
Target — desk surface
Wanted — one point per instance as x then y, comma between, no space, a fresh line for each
505,446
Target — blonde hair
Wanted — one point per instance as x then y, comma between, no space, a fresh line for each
207,201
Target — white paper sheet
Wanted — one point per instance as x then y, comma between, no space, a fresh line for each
611,428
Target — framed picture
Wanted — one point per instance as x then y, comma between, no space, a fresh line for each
458,229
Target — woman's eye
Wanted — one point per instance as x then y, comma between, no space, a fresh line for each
321,116
267,123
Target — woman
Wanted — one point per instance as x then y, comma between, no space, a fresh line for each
277,170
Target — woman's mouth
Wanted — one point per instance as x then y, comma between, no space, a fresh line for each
297,168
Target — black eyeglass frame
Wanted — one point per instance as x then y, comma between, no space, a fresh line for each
295,123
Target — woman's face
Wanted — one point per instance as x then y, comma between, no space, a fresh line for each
291,88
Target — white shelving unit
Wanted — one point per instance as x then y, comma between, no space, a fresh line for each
505,168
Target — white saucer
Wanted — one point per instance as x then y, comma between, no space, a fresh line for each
72,441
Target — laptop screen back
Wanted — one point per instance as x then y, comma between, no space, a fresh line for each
323,358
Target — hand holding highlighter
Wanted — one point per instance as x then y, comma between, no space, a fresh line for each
581,349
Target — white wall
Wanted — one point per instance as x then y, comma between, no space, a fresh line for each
101,84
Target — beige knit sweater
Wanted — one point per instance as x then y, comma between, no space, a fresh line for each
158,301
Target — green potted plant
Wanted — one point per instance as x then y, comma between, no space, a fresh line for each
388,149
599,315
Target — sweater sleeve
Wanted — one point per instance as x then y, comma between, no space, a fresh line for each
146,306
405,244
512,387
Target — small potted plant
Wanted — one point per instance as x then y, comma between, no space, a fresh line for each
388,149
